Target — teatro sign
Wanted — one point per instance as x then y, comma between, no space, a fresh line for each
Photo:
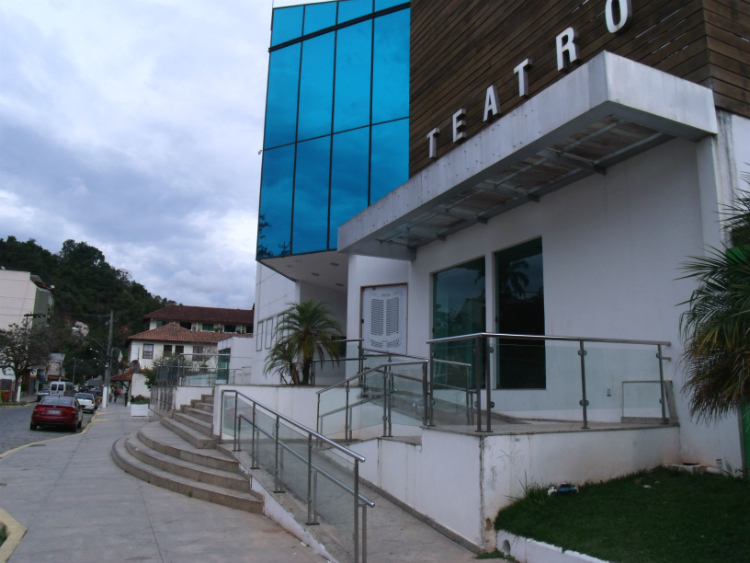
618,14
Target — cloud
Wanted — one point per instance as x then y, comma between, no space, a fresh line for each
135,127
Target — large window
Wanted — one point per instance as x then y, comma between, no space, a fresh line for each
520,310
337,119
459,306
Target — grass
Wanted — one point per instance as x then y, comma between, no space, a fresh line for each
21,404
3,534
681,518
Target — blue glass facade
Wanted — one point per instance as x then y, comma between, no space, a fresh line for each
337,119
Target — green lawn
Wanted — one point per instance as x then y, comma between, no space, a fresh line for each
2,534
682,518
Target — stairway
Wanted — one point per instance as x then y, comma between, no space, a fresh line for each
179,454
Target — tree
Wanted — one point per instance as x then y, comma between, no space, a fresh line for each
23,348
306,330
716,326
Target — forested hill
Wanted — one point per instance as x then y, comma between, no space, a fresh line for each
86,288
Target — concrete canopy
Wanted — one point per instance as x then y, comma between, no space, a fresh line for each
604,112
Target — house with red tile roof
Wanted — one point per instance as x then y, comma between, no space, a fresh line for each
204,319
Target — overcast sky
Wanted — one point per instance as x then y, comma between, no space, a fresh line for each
135,126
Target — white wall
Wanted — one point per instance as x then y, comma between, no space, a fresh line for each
20,296
462,480
613,247
240,358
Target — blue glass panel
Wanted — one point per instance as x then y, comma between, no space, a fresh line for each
353,62
275,221
287,24
351,9
310,231
390,82
390,158
348,177
281,108
319,16
316,87
383,4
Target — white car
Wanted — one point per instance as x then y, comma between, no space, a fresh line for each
87,401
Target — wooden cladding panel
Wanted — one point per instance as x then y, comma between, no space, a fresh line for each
460,47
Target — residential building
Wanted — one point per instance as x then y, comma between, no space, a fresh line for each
204,319
439,169
174,340
25,300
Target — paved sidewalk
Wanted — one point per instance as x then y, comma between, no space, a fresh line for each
77,505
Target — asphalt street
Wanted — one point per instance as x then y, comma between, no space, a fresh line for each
15,432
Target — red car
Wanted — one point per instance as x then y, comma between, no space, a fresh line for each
57,410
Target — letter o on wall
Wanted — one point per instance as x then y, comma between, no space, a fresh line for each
617,22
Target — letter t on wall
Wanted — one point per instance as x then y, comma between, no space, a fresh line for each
567,50
432,138
523,78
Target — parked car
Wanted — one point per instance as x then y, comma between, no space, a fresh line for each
41,394
87,402
57,410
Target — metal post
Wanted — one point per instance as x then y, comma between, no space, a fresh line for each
356,511
276,470
239,434
431,388
584,402
347,417
478,381
385,402
234,446
254,443
664,419
488,386
315,497
390,402
221,415
317,420
361,355
425,395
364,533
310,521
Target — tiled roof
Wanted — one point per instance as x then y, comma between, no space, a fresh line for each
124,376
175,333
186,313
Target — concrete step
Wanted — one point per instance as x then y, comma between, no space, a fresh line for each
207,407
203,491
189,470
160,438
198,413
197,439
205,428
207,398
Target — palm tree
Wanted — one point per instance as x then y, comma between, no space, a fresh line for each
716,327
305,330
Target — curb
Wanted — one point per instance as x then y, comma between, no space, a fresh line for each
14,532
532,551
19,448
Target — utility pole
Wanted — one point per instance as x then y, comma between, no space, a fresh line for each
108,365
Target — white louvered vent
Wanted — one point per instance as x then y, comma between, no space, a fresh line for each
384,318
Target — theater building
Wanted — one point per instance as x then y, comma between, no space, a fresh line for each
437,169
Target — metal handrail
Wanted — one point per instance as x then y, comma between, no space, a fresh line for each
370,370
330,477
545,337
296,424
384,353
582,352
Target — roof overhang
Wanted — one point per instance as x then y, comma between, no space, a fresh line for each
604,112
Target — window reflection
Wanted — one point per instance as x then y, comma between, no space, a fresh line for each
348,178
287,24
310,231
351,9
319,16
390,158
274,225
390,67
281,109
353,62
459,308
316,88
